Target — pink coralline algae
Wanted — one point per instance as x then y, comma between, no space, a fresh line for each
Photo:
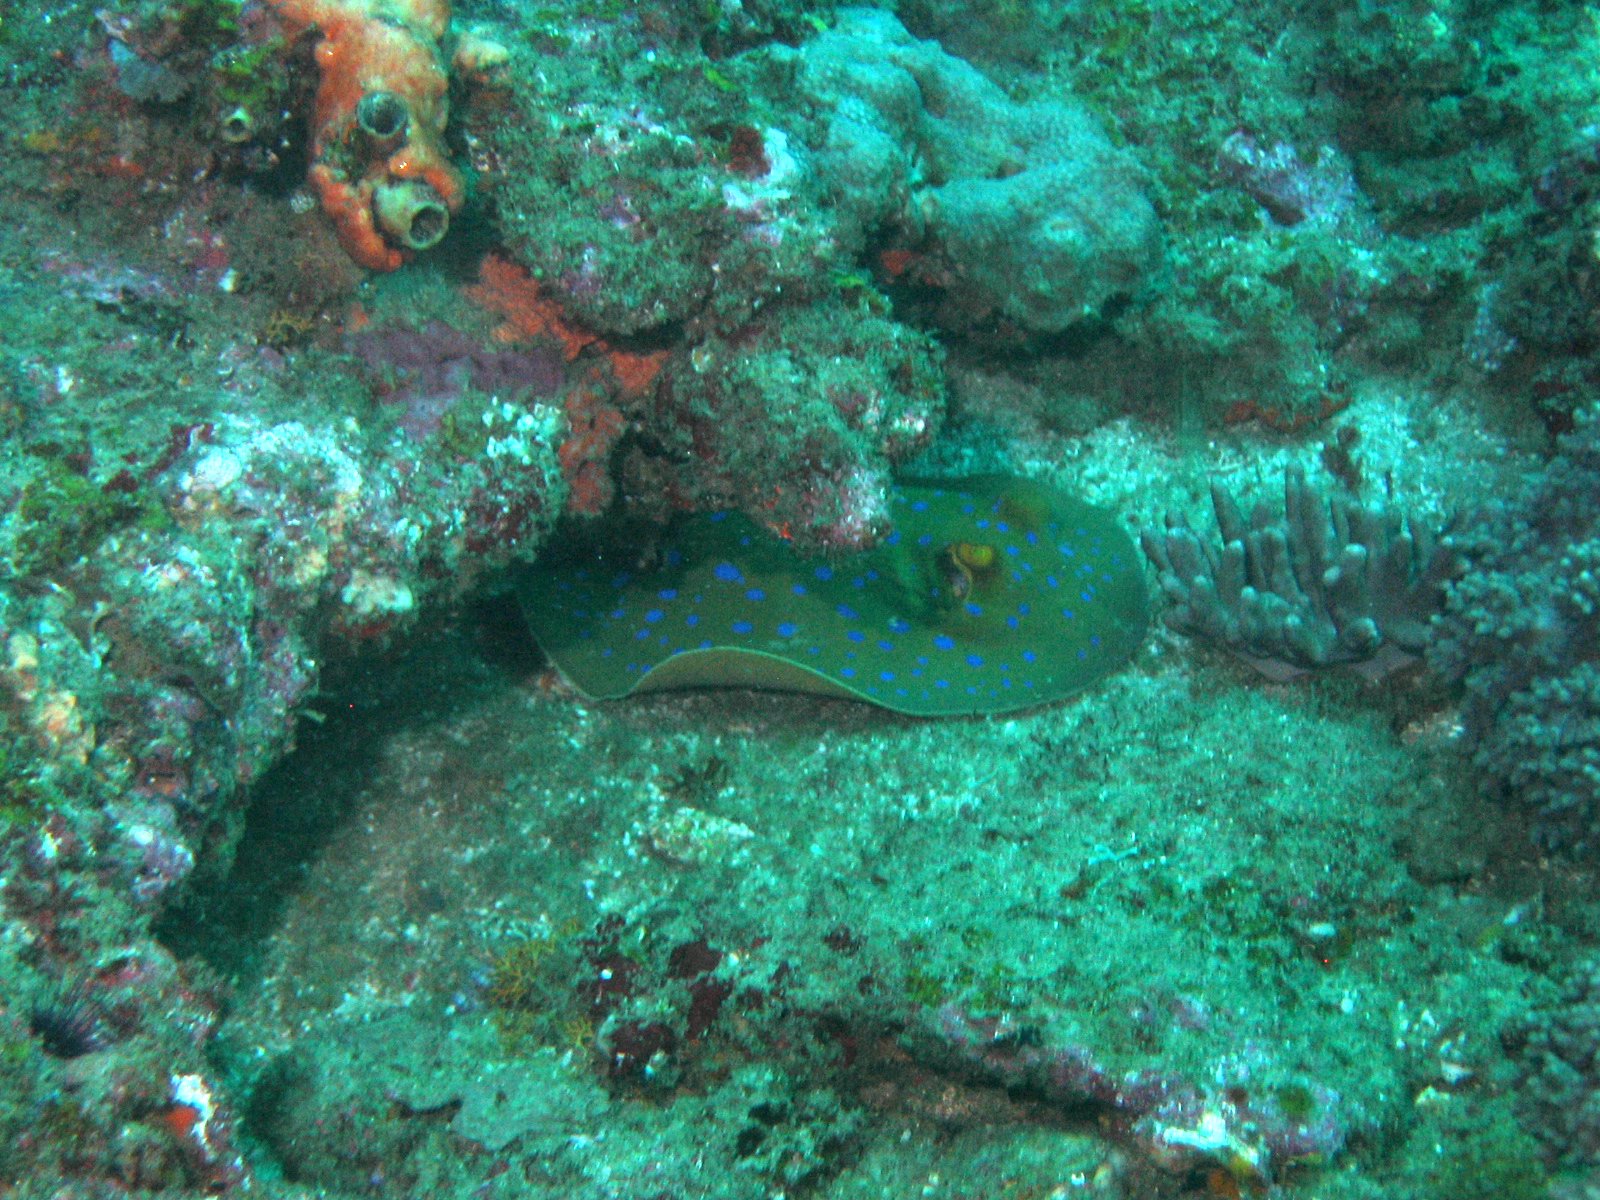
1291,190
426,371
160,861
1179,1123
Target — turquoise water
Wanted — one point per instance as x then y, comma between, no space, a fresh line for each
347,341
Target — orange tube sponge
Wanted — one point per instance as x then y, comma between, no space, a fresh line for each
379,163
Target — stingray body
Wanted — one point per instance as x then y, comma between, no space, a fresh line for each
989,594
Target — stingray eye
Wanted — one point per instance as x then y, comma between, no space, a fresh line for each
975,556
963,563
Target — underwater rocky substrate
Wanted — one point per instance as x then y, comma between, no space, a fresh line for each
717,943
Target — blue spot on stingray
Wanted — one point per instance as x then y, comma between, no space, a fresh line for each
742,627
883,645
1029,656
1012,623
674,558
718,517
1068,614
855,635
1032,538
787,629
823,573
925,539
798,589
848,613
886,676
616,613
641,634
755,594
727,572
893,539
667,594
919,506
899,625
692,620
974,660
944,642
848,672
1052,581
973,610
654,615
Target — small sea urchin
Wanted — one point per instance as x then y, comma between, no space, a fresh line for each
69,1023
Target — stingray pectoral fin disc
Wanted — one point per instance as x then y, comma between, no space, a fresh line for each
740,669
989,594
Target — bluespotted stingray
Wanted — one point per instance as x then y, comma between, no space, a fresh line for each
988,594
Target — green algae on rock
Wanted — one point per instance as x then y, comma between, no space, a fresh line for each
989,594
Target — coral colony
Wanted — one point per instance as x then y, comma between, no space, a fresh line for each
603,600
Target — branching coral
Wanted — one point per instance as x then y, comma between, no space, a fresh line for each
1560,1092
1320,585
1523,634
